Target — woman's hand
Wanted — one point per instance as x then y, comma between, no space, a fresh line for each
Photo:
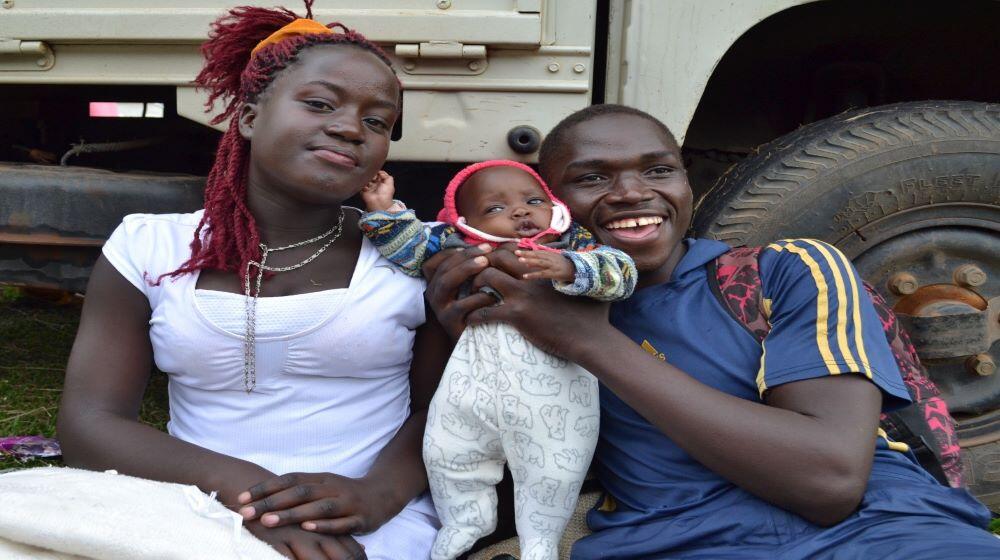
319,502
445,273
297,544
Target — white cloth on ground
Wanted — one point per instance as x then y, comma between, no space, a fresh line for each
63,513
501,399
328,397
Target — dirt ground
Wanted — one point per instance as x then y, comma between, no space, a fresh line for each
36,335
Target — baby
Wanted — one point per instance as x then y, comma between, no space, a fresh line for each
500,398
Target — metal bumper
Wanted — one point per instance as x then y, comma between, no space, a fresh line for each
54,220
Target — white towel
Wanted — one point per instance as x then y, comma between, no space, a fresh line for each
71,514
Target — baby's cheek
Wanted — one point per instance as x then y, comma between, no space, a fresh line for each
479,223
493,226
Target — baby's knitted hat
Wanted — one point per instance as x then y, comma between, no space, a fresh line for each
449,214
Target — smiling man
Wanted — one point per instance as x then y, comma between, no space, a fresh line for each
621,174
711,444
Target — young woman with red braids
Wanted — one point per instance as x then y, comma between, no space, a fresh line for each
290,344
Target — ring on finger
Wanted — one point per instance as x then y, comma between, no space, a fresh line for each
493,294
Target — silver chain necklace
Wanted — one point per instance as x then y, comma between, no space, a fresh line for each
249,335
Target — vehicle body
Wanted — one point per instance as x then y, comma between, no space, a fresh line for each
910,192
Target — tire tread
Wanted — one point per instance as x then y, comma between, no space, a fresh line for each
751,190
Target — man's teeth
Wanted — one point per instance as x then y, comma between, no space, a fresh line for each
633,222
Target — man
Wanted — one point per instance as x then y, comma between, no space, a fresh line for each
713,445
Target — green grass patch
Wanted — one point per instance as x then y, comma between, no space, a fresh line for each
10,294
36,335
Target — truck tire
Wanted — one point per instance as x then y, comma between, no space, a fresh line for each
910,192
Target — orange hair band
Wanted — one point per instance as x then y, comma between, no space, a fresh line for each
300,26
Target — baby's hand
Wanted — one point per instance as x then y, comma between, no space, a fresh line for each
377,194
546,264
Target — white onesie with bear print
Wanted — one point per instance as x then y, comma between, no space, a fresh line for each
501,399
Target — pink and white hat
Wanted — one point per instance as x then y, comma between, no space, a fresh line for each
449,214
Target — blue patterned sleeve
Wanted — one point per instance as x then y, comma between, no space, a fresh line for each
602,272
401,238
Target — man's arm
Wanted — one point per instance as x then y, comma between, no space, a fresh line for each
808,449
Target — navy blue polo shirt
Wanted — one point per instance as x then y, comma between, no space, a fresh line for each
662,503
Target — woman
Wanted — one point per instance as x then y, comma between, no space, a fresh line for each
289,343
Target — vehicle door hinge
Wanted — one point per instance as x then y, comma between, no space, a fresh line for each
25,56
441,49
442,57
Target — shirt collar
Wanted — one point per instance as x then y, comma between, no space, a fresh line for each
699,253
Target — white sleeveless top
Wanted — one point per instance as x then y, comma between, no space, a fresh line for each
328,397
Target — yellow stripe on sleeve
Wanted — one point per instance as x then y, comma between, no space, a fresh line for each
822,307
761,384
842,305
859,341
765,305
893,445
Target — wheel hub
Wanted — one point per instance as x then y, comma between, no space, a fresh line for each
941,274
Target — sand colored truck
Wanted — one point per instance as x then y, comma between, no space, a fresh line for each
870,125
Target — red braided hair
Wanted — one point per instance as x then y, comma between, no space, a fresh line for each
227,237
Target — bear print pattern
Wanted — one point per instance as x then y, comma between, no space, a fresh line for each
554,417
515,413
462,427
587,426
503,400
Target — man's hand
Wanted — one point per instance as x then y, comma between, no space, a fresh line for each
445,273
377,194
546,265
320,502
554,322
297,544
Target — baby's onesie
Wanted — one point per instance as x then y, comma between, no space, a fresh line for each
502,399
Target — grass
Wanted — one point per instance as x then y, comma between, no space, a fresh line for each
36,335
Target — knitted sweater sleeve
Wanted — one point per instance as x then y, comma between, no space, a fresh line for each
402,238
602,272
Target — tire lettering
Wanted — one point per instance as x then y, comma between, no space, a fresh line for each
912,192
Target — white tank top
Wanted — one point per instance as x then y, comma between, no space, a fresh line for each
329,394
